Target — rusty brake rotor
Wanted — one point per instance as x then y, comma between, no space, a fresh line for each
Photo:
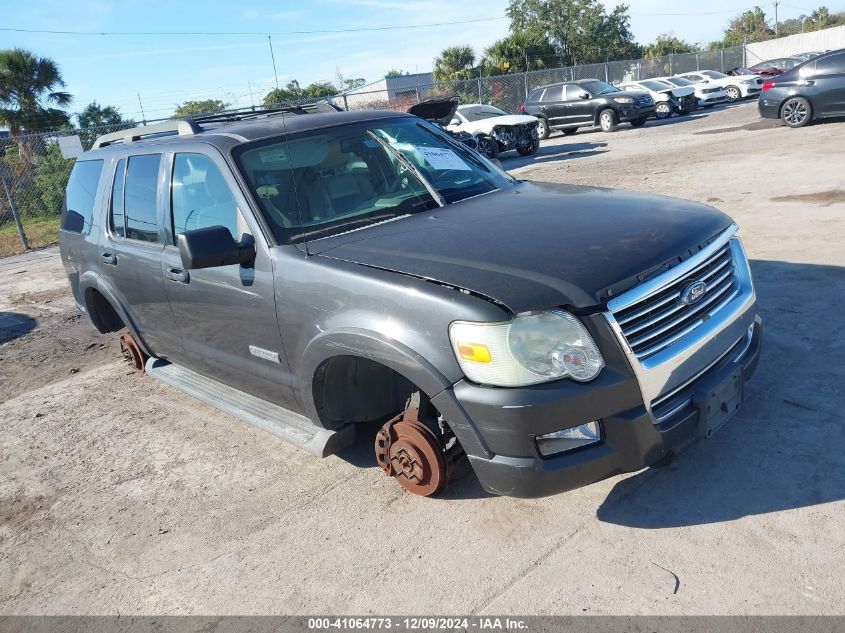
132,352
410,452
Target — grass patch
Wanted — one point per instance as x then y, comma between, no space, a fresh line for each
40,231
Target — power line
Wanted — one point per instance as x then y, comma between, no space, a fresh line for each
311,32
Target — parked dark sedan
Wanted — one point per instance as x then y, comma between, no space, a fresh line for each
813,90
568,106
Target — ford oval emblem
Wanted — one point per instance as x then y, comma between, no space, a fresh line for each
693,293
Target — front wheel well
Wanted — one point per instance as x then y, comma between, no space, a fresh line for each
351,389
103,315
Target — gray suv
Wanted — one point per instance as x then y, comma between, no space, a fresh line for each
312,273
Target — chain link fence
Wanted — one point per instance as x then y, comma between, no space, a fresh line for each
33,173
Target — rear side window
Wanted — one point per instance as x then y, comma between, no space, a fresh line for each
116,215
80,194
537,95
832,65
200,196
140,197
553,93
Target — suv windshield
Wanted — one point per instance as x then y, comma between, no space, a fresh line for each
679,81
713,74
331,180
479,113
596,87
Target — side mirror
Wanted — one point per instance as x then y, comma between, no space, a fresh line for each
585,95
455,121
211,247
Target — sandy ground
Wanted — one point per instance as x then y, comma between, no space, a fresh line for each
120,495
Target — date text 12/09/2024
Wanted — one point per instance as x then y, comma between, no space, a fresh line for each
417,623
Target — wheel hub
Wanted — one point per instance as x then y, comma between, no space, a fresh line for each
407,450
132,352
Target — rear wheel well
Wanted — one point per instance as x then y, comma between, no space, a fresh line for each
103,315
351,389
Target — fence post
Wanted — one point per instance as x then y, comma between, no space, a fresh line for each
606,75
698,61
15,214
639,70
525,83
345,103
479,90
722,59
670,64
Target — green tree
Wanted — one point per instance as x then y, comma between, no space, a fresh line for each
195,108
519,52
95,115
822,18
294,93
666,44
396,73
30,95
455,62
580,30
50,179
748,27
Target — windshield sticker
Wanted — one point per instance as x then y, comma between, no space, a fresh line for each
273,155
442,158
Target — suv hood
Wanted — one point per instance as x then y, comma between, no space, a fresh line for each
485,126
534,246
437,110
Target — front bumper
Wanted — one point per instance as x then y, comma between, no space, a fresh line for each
634,113
708,101
645,409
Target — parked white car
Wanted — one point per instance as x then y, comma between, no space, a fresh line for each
496,131
668,99
706,93
736,87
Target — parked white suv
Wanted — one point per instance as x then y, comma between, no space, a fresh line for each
736,87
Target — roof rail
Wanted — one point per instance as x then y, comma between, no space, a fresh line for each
248,113
182,127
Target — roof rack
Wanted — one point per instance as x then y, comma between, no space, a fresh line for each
189,126
182,127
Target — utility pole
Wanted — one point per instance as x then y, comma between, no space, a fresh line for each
143,116
776,18
273,57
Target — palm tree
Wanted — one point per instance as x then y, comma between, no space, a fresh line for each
454,63
29,92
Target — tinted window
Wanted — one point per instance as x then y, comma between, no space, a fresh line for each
81,190
537,95
553,93
200,196
831,65
574,92
116,220
140,197
596,87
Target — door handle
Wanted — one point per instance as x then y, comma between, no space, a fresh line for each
109,258
177,274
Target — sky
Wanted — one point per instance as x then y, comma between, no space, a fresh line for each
161,71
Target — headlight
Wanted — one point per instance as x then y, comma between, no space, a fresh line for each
530,349
623,99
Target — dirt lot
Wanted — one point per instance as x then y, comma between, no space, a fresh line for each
120,495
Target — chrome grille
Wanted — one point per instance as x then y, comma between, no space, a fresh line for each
657,321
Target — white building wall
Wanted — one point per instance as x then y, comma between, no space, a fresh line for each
828,39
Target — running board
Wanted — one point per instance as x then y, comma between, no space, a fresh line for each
290,426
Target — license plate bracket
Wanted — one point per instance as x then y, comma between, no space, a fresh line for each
720,402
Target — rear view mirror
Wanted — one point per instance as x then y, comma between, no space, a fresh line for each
585,95
211,247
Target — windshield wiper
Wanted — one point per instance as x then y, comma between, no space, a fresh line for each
441,201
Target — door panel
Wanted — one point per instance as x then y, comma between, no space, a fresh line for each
227,314
828,84
580,110
553,105
133,266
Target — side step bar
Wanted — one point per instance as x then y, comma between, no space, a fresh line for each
290,426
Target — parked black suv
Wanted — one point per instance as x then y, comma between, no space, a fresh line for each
568,106
310,273
813,90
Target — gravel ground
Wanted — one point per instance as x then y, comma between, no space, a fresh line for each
120,495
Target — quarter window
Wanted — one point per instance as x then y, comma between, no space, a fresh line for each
141,194
200,196
81,191
832,65
117,217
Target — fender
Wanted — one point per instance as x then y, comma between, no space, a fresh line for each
398,357
91,279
